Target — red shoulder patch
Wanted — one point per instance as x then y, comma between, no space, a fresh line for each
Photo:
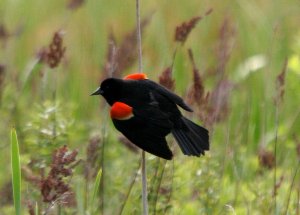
136,76
121,111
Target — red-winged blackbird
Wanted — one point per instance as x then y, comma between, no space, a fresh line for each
145,112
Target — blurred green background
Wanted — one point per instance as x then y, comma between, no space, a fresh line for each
235,177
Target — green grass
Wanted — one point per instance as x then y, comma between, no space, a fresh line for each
228,180
96,189
16,171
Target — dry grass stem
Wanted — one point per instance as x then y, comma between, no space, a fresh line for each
128,144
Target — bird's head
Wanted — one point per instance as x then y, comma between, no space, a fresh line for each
110,89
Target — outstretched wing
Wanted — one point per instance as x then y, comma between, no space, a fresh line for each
147,129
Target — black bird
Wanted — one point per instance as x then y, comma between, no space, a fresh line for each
145,112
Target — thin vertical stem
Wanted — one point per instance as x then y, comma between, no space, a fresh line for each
158,187
139,35
104,135
130,189
144,173
291,189
298,198
275,155
144,184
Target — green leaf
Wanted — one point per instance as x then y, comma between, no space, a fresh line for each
16,171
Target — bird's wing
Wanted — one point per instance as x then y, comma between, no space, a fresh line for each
147,129
169,95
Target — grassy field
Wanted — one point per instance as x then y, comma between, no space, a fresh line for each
247,54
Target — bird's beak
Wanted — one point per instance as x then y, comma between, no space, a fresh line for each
97,92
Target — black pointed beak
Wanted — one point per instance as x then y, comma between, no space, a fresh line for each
97,92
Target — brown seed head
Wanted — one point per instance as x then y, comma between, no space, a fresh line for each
3,32
110,64
266,158
92,149
225,46
92,155
298,150
55,52
6,194
166,79
297,143
278,185
208,12
75,4
2,75
123,56
219,98
280,83
30,208
182,31
196,92
54,185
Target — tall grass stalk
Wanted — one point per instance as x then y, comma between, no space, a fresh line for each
298,199
280,84
104,136
16,171
104,139
139,35
36,208
171,189
158,187
291,189
144,173
275,160
130,189
96,189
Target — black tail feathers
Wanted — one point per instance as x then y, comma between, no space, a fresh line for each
191,138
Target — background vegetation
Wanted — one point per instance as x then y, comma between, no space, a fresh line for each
246,65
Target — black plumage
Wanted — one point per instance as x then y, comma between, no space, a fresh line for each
155,115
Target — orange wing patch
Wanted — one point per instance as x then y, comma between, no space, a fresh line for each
121,111
136,76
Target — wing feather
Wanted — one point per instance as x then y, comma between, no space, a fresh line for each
169,95
147,129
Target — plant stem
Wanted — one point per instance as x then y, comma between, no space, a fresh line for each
130,188
104,139
139,35
291,188
144,183
16,171
158,187
275,155
171,189
144,173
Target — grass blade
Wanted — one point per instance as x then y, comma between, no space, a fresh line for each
36,209
16,171
96,187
